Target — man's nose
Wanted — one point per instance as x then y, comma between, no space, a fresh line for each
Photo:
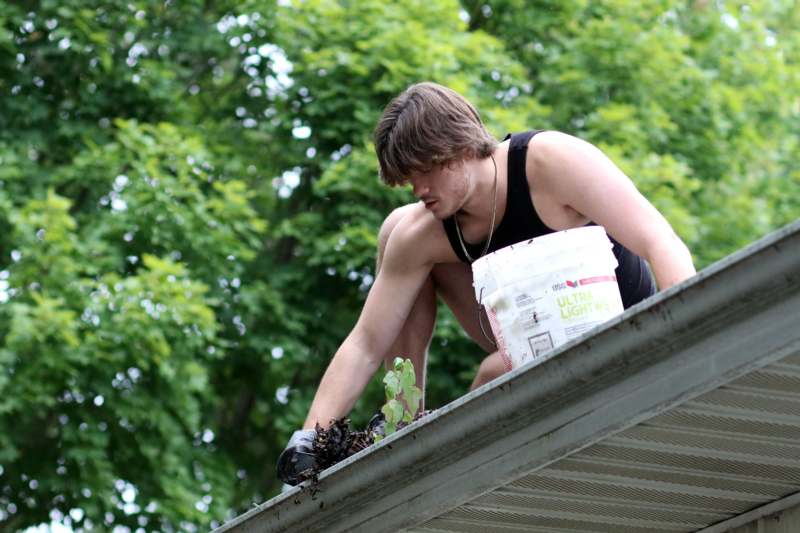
419,188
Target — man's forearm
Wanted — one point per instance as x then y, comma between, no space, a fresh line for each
671,262
343,382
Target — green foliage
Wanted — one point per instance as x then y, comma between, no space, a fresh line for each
189,206
694,100
402,395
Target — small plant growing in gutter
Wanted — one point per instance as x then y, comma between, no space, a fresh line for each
339,441
402,396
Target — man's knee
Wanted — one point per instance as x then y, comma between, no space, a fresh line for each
490,368
389,223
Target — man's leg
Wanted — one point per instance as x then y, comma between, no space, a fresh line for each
491,367
413,340
453,282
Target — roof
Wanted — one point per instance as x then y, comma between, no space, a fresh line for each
681,413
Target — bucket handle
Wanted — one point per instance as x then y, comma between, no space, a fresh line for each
481,312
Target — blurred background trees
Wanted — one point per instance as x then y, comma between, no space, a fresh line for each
189,204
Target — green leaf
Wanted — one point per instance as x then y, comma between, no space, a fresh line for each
412,396
393,411
392,382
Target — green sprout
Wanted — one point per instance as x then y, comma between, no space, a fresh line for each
402,395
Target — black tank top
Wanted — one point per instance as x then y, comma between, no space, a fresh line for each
521,222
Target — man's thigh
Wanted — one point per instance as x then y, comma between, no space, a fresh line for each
453,282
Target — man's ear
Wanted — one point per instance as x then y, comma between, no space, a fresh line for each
455,164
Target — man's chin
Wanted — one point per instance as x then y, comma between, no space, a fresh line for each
440,214
436,209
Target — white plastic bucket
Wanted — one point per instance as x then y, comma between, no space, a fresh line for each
541,293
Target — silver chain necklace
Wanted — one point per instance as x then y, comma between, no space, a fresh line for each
491,227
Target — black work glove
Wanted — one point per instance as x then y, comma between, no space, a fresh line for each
297,457
377,425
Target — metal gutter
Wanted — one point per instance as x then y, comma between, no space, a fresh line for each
734,317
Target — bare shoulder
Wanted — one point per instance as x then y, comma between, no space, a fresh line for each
419,239
550,151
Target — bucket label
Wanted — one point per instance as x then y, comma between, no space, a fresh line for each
580,304
541,343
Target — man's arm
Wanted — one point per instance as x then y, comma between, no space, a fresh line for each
407,262
402,274
579,176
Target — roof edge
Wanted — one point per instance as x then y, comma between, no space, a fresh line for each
657,354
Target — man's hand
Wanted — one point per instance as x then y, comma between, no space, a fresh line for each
376,425
297,457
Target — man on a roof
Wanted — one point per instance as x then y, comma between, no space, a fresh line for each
476,195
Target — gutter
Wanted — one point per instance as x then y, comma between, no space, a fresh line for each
736,316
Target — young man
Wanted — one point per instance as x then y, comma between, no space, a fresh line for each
475,196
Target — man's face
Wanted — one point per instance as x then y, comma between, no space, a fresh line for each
443,189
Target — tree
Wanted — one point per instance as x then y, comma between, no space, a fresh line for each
127,232
694,100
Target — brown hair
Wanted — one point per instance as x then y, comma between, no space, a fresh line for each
428,125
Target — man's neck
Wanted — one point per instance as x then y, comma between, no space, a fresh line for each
476,213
